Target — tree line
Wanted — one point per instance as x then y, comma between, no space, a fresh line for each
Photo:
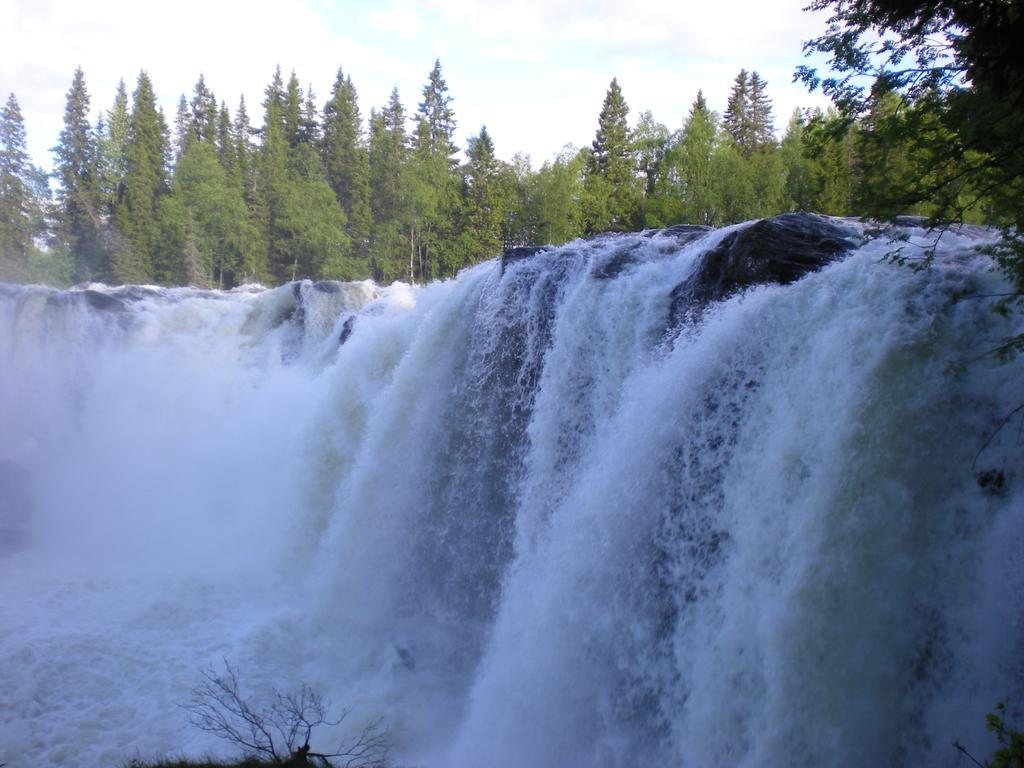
313,192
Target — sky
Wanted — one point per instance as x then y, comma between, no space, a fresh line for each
535,72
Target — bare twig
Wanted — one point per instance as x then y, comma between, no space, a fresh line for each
280,733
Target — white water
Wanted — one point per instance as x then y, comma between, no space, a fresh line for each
516,517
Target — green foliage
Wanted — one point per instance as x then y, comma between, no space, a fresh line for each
79,190
935,91
611,200
1010,752
16,200
934,132
145,183
485,200
218,222
347,162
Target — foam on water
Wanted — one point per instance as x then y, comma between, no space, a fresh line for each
519,515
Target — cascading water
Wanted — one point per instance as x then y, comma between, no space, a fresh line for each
624,502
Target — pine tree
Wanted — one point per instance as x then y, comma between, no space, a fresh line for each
612,196
15,196
145,184
79,193
347,162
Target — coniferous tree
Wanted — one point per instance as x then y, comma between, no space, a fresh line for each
693,161
612,195
215,224
798,167
483,210
303,224
244,151
291,114
184,135
203,112
829,142
748,117
388,191
16,219
113,151
145,184
347,163
79,193
432,180
736,120
309,125
226,142
761,120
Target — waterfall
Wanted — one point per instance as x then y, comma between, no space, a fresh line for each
693,497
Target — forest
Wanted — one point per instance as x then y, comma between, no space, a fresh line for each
213,199
927,118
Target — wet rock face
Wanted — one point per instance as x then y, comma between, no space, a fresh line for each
781,249
511,255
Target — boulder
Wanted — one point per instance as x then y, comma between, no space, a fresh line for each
781,249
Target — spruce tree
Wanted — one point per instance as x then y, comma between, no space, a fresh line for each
761,120
309,125
346,161
244,151
748,117
799,168
79,193
737,119
388,191
218,223
435,112
432,180
693,163
15,195
612,196
291,114
483,208
226,142
145,184
203,110
113,151
184,135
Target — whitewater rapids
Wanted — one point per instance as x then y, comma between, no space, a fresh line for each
545,514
